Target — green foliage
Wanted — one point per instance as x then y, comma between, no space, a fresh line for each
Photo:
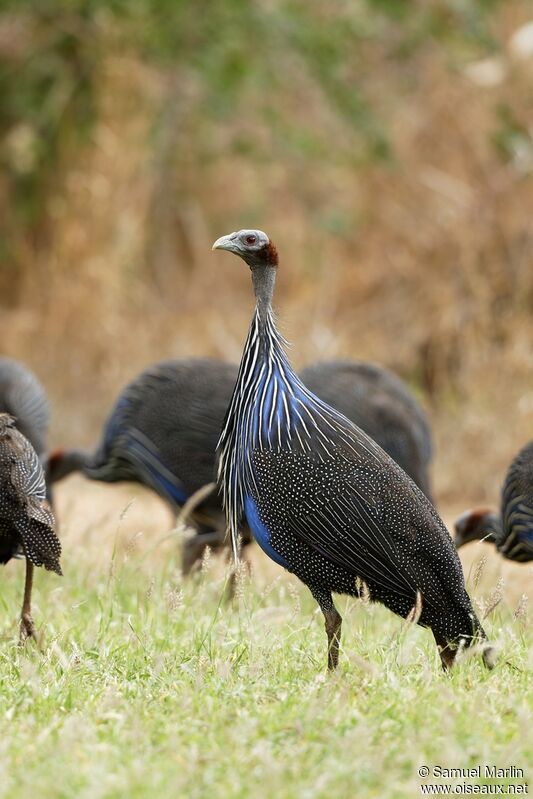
280,66
47,90
48,75
512,139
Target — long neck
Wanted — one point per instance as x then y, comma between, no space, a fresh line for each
263,347
263,279
61,464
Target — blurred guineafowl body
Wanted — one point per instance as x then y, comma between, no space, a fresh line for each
26,520
322,498
23,396
163,431
511,531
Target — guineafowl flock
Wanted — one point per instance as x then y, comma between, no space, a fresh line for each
328,471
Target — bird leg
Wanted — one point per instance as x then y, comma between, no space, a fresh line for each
333,623
333,631
27,628
447,654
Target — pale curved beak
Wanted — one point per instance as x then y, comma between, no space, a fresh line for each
224,243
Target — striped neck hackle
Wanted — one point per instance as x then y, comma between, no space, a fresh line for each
263,347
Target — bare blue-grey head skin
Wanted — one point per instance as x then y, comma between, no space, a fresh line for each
256,249
322,499
251,245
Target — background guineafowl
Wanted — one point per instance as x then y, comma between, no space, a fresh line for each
378,402
163,431
26,519
322,498
511,531
23,396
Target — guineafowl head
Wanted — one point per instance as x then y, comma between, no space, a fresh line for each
6,421
474,525
253,246
60,463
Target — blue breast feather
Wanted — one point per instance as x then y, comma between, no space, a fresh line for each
261,532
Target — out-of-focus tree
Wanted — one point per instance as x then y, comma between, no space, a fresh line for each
259,60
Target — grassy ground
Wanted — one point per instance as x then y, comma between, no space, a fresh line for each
148,686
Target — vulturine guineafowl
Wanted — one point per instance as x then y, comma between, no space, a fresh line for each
378,402
511,531
322,498
162,433
26,519
23,396
163,430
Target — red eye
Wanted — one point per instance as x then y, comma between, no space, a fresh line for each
250,239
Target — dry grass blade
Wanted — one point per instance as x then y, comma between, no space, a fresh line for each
239,574
295,596
207,561
174,598
478,571
150,589
414,614
132,544
192,503
363,590
520,612
494,599
269,587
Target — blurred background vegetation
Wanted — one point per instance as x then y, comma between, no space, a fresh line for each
385,145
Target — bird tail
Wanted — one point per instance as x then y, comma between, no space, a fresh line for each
41,545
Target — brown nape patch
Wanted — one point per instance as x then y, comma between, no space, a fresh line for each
269,254
473,525
54,458
477,516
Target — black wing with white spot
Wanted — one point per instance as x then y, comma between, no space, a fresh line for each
368,518
24,501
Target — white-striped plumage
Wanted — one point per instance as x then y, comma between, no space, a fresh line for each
302,426
321,497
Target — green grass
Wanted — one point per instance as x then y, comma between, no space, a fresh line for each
150,687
